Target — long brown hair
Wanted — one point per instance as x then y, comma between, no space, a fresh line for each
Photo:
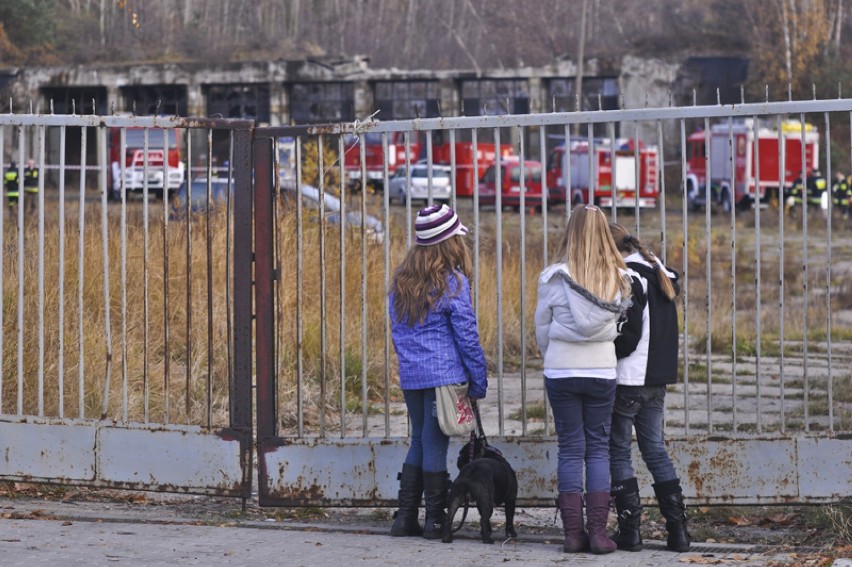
589,250
628,243
420,281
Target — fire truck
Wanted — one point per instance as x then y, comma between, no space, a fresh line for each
134,160
750,143
465,184
599,173
374,161
486,154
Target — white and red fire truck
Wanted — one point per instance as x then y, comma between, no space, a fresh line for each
134,175
597,175
754,146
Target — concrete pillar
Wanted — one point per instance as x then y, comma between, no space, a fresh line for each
196,104
279,107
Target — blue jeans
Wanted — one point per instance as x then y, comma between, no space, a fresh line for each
582,413
640,407
428,448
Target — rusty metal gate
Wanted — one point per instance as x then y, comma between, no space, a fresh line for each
763,413
125,358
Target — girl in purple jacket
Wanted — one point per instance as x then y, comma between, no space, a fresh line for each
435,336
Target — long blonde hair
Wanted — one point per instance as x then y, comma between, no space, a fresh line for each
626,242
590,252
420,281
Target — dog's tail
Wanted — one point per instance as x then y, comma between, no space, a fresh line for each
459,498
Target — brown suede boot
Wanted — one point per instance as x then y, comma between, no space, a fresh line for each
597,510
570,506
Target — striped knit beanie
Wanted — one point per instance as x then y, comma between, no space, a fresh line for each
437,223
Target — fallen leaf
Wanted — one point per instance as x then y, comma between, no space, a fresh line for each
781,519
739,521
66,523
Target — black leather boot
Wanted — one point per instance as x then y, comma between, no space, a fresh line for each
629,509
435,491
670,498
410,492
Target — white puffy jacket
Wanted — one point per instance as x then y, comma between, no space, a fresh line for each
573,328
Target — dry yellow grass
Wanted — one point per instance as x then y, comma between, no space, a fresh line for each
320,385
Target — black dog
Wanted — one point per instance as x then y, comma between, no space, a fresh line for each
490,481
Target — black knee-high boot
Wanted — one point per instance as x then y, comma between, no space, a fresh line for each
435,491
410,493
629,509
670,497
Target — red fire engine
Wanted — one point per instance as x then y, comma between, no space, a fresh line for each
748,143
598,173
134,160
486,154
465,184
374,161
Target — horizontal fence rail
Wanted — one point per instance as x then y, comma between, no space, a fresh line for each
116,277
764,307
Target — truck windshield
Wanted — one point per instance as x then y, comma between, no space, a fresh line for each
135,138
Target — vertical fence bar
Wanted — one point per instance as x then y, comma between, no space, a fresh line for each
523,275
264,275
188,222
407,189
475,149
123,191
566,175
498,184
830,212
805,274
103,181
453,171
323,299
166,345
21,205
60,359
613,213
661,176
4,204
637,170
300,285
782,186
210,272
545,190
342,281
708,299
364,359
41,134
146,394
757,268
685,271
733,220
386,280
81,271
430,199
242,414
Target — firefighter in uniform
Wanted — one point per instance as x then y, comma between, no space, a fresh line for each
840,194
10,184
30,184
812,190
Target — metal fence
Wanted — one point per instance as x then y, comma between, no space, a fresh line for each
763,410
116,357
133,331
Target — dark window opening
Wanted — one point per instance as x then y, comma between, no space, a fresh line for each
312,103
239,101
155,100
399,100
